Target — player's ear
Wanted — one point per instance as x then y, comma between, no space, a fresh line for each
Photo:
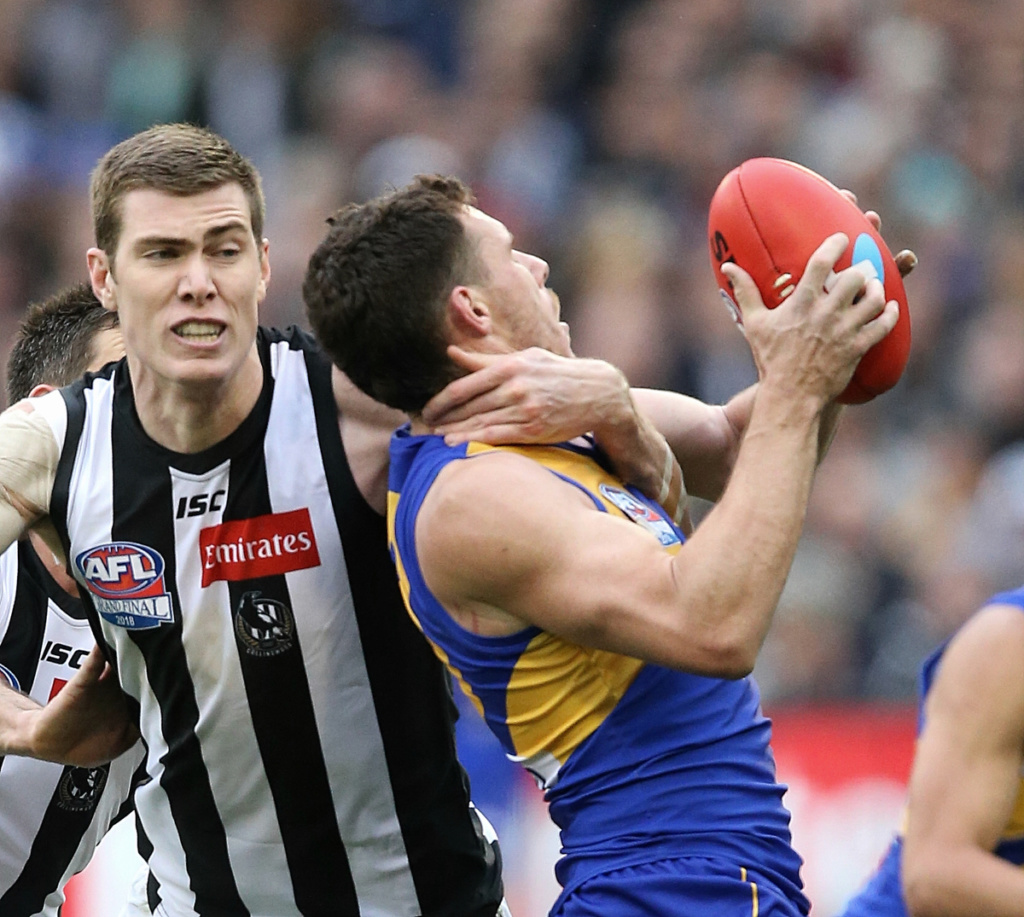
468,314
41,389
261,289
102,277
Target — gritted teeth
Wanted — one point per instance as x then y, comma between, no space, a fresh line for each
198,328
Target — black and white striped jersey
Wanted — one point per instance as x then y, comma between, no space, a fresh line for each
51,816
299,728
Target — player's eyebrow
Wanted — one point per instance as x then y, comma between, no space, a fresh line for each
226,227
177,241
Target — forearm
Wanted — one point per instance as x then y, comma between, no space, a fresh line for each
704,438
16,718
641,456
830,418
745,545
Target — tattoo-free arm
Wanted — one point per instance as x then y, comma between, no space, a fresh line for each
534,396
85,724
966,775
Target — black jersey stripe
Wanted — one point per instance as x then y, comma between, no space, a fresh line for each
23,641
281,705
456,871
74,402
137,496
55,843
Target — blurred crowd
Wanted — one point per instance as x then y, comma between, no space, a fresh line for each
598,131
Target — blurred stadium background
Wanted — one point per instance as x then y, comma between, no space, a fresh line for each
598,130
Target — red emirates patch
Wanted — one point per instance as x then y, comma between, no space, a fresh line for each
262,546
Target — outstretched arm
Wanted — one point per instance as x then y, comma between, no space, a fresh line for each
603,582
966,775
85,724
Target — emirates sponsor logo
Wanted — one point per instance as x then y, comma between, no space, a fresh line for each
262,546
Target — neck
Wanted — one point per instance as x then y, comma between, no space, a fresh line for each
188,417
53,566
417,427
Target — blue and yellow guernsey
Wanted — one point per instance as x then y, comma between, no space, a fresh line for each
638,762
882,895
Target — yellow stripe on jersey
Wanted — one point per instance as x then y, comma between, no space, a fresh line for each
559,693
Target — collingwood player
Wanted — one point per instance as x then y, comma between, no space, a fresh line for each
51,816
219,497
298,730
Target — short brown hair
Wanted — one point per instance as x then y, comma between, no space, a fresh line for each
377,285
176,158
54,341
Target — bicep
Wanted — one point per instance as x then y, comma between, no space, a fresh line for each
503,533
966,771
366,427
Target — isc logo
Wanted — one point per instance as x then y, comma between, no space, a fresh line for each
199,504
121,569
61,653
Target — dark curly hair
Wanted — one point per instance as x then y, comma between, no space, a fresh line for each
376,287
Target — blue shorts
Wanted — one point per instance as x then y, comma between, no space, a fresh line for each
676,888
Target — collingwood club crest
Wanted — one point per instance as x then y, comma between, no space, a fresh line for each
80,788
264,626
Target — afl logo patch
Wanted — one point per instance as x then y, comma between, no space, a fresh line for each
641,513
80,788
263,626
126,581
9,678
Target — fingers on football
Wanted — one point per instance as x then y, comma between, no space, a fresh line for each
744,290
906,261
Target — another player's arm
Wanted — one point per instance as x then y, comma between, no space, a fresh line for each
966,775
28,466
86,723
366,428
535,396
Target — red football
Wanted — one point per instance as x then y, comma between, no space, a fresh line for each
769,215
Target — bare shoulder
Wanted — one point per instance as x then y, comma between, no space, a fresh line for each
499,496
981,668
29,452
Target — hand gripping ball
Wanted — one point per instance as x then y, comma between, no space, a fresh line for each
769,216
